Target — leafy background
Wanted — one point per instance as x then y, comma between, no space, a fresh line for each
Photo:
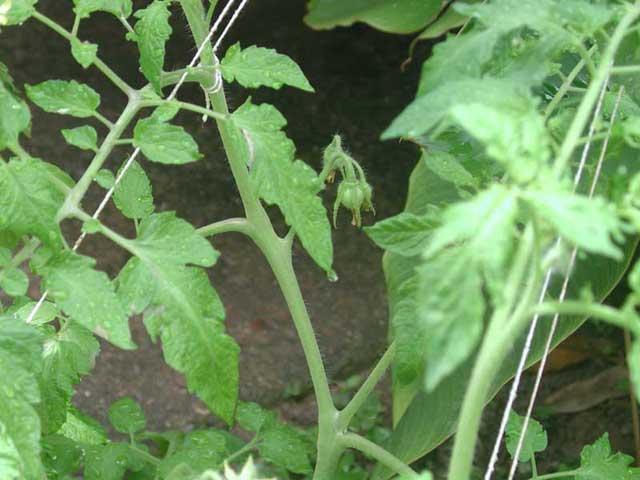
360,89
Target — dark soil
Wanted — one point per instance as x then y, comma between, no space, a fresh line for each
360,89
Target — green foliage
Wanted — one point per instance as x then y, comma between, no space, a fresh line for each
18,12
165,143
84,52
119,8
85,137
254,67
152,30
15,117
66,98
127,416
535,438
133,195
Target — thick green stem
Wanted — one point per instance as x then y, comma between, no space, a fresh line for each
80,189
278,253
346,414
99,64
195,74
591,96
351,440
506,324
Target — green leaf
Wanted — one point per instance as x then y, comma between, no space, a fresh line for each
45,314
84,52
88,297
126,416
164,143
152,32
183,308
30,196
119,8
405,234
397,16
20,353
105,179
285,447
85,137
68,354
66,98
199,451
449,169
535,438
589,224
83,429
293,186
110,462
598,463
133,195
19,11
254,67
252,417
5,257
14,282
61,456
15,117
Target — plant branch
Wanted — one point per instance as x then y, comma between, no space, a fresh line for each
351,440
594,310
346,415
626,70
564,88
253,443
591,96
549,476
187,106
100,65
80,189
202,75
239,225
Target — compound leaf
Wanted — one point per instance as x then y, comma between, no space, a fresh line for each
598,463
64,97
256,66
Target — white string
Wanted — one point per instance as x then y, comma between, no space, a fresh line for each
136,152
513,393
563,293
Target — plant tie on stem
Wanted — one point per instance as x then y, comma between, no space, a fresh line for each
172,96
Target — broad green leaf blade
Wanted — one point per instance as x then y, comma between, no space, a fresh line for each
165,143
66,98
119,8
133,195
424,420
152,32
88,297
254,67
84,52
83,429
292,185
61,456
283,446
19,11
85,137
447,167
105,178
15,117
598,463
396,16
126,416
405,234
252,417
31,192
110,462
68,355
199,451
535,438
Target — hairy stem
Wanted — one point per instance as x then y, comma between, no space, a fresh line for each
239,225
346,414
506,324
99,64
351,440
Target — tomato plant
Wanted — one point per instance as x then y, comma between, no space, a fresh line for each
522,214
